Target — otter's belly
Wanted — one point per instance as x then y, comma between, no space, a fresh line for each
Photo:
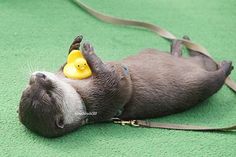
162,85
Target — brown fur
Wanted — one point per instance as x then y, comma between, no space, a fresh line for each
158,84
149,84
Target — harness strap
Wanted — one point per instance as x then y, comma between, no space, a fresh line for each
169,36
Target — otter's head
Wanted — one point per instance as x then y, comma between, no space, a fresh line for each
51,107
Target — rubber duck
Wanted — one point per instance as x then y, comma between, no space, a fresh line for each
76,66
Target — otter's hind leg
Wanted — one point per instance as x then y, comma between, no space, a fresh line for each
176,47
206,62
214,80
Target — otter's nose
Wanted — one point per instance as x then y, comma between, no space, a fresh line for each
41,75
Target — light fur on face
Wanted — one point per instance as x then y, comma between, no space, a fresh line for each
71,103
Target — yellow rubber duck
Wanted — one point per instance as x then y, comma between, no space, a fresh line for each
77,67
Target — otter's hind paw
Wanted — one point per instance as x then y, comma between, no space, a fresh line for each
226,67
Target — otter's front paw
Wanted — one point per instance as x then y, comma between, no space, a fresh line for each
76,43
93,60
87,49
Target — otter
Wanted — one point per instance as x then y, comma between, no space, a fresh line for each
147,85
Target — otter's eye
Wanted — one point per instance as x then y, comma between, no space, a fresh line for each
49,93
60,122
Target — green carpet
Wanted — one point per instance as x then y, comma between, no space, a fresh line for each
35,35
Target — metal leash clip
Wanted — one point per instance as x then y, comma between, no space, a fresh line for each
124,122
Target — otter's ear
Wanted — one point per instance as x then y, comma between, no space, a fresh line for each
59,121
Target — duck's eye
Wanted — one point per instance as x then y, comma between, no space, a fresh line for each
84,63
78,65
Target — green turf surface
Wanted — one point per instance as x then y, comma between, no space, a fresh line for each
35,35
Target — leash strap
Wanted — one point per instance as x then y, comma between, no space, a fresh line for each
169,36
149,124
160,31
